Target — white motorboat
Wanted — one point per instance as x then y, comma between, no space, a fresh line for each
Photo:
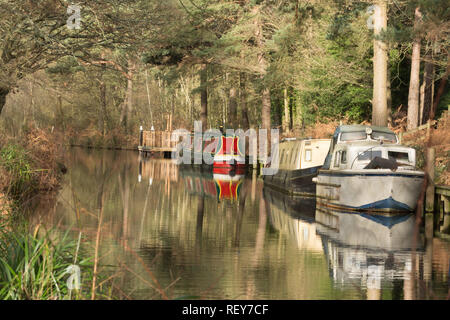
368,170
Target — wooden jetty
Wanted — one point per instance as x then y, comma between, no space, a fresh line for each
437,220
157,141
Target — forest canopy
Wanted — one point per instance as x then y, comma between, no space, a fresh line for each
246,63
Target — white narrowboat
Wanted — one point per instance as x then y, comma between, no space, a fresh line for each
298,163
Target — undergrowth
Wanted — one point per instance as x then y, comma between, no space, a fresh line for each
33,267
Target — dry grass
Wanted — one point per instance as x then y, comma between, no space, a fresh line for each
46,155
29,166
440,140
92,138
5,205
321,130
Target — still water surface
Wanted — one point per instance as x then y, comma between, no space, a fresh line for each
208,237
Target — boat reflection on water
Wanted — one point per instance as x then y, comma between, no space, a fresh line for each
369,251
365,255
223,187
294,217
228,187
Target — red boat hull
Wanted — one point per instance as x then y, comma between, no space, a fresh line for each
227,168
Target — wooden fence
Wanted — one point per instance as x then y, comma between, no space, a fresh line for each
156,141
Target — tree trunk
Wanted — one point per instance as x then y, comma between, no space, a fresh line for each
287,114
148,98
265,112
232,118
421,100
243,101
3,93
440,92
380,59
127,106
428,81
204,96
102,120
389,98
414,83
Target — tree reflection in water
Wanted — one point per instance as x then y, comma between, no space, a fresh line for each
171,232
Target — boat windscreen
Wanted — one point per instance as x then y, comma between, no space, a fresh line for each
390,137
356,135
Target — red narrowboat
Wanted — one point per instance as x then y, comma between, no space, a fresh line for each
229,157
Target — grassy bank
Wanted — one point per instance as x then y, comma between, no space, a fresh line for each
29,166
36,263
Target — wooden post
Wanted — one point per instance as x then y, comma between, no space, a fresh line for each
429,225
152,137
429,197
141,136
431,157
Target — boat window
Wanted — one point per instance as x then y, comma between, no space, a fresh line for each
336,159
308,155
398,156
344,157
369,155
350,136
390,137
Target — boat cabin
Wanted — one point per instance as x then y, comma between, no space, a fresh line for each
355,146
295,154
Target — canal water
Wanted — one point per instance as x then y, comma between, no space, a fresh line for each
166,231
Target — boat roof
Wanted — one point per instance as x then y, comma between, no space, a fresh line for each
360,143
302,139
359,127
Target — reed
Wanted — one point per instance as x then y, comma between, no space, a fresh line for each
17,173
33,267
